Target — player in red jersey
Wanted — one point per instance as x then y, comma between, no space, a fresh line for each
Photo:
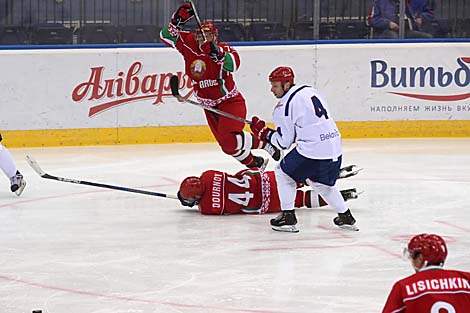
431,289
210,65
248,191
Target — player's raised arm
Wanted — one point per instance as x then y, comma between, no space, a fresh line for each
170,33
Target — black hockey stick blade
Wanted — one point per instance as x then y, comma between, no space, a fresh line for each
174,91
174,86
32,162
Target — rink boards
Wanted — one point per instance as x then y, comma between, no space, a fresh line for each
121,95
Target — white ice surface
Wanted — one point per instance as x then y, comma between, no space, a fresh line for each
67,248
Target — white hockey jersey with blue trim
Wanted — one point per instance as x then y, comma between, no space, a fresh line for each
302,116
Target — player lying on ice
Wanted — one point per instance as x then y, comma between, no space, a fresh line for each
247,192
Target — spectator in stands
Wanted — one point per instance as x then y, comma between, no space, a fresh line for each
385,19
431,4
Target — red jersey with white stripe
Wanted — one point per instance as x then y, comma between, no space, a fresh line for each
433,290
212,81
248,191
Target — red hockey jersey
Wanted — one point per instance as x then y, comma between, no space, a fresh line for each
212,81
248,191
433,290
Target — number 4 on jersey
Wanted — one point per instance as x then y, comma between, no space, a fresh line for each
319,109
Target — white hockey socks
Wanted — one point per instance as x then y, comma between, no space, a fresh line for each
287,188
7,164
331,195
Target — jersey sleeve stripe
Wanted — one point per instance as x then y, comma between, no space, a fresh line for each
167,38
229,62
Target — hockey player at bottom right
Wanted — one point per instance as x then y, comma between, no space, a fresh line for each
431,289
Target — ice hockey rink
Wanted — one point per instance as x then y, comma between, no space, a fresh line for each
68,248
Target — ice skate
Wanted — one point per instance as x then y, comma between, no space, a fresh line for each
349,194
274,152
17,183
258,162
349,171
345,221
285,221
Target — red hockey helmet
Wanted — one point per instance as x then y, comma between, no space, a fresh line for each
282,74
208,27
191,188
432,247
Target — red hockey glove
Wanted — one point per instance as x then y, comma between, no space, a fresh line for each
183,14
259,129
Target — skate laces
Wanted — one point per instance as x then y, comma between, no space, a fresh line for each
16,179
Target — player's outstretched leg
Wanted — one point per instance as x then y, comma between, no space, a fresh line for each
17,183
239,146
285,221
336,200
346,221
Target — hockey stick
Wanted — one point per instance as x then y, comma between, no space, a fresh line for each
32,162
198,21
174,91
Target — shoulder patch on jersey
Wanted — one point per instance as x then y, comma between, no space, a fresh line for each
286,112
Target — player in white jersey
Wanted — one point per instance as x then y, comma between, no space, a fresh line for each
302,116
8,166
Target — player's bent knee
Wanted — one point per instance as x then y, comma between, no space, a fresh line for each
318,187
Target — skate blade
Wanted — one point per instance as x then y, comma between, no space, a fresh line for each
286,228
349,171
349,227
19,191
355,194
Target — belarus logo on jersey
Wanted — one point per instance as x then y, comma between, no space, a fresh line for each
198,68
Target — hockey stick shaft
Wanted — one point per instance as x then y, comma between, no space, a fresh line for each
198,20
174,91
45,175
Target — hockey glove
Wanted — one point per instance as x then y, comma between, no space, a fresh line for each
260,130
213,51
182,15
186,202
216,54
